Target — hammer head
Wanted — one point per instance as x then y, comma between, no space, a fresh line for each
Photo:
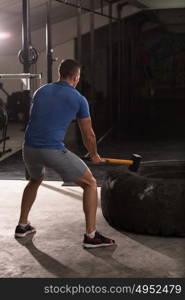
136,158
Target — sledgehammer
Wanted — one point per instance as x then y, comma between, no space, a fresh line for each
133,163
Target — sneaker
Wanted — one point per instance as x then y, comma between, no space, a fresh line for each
98,241
22,231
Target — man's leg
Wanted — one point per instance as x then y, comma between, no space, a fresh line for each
90,199
29,196
92,238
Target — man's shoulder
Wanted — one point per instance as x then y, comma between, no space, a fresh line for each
43,87
76,94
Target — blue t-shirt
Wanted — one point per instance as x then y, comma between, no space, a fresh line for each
54,107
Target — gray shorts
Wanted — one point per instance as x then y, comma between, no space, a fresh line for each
68,165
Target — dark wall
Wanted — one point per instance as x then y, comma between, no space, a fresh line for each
163,88
102,108
152,79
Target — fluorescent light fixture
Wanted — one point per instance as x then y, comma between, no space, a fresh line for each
4,35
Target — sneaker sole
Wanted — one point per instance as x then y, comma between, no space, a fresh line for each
97,246
20,235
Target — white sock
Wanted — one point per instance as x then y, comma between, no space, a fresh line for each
23,225
92,234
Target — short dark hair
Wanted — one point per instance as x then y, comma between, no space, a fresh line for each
68,68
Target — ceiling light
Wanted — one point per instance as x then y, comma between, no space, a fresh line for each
4,35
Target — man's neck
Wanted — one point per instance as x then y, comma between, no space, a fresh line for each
67,80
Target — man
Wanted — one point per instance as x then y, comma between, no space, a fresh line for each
54,107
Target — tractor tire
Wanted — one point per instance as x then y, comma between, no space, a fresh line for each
151,201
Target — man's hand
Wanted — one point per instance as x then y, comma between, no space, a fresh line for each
96,159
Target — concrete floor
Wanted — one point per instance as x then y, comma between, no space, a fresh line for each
56,251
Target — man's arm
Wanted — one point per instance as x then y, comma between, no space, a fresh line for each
89,138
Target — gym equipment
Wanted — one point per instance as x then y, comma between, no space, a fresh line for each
32,56
133,163
25,77
3,117
3,127
20,76
3,89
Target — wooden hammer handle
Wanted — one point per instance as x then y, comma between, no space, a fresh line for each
117,161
